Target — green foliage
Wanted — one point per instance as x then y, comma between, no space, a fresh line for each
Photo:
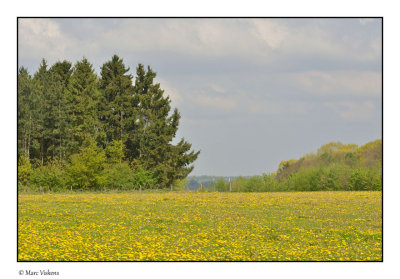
120,176
270,182
144,179
86,168
115,151
238,184
221,185
24,170
359,180
25,110
330,179
50,177
326,158
334,167
118,103
376,180
305,180
82,104
370,154
254,184
350,159
286,167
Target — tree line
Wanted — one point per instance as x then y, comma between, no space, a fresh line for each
78,130
334,167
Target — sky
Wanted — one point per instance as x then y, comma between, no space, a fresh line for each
251,91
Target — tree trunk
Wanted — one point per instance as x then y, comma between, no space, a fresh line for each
59,118
120,136
29,144
24,145
60,147
41,149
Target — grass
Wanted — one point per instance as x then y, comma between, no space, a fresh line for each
299,226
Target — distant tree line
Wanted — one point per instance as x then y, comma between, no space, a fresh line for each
334,167
78,130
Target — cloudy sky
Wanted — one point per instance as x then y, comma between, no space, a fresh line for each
251,92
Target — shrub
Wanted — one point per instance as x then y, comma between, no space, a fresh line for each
270,184
238,184
119,176
86,168
301,180
221,185
24,171
143,179
377,182
254,184
359,180
330,178
51,177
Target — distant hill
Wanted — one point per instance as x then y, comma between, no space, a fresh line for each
334,167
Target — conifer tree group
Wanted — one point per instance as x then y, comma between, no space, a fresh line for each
65,110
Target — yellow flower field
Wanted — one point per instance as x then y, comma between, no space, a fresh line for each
185,226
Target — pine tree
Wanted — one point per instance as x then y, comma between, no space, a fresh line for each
25,88
60,74
61,109
117,105
38,108
81,106
155,130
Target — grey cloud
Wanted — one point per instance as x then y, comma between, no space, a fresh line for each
255,41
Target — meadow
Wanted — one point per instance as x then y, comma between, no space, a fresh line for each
195,226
